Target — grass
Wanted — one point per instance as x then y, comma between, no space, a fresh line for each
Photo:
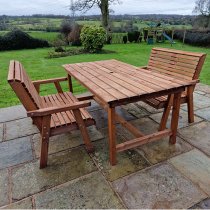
49,36
38,67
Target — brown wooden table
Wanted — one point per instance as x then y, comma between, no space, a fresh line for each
114,83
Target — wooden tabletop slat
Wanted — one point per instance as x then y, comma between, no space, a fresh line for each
132,81
112,80
150,78
137,76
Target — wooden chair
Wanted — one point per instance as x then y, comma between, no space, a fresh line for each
178,64
52,114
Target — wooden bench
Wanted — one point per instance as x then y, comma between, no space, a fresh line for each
178,64
52,114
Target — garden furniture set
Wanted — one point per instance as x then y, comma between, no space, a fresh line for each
168,81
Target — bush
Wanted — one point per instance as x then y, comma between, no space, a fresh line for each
196,38
69,52
18,39
93,38
66,28
125,39
133,36
74,35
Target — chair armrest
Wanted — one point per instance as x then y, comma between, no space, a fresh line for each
52,110
143,67
39,82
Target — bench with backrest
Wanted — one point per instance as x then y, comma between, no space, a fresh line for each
178,64
52,114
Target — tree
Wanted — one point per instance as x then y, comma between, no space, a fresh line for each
202,8
85,5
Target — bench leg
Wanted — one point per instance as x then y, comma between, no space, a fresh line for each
83,129
175,117
45,141
190,105
166,112
112,137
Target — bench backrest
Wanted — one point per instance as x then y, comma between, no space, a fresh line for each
176,63
23,87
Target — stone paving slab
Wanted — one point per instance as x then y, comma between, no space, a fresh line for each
1,132
23,204
15,152
148,108
145,125
66,141
198,135
62,167
201,101
127,162
19,128
205,204
204,113
12,113
101,116
89,192
161,150
202,87
4,189
200,92
136,110
94,106
159,187
183,119
196,166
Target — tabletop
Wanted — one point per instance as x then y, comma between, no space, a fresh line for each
116,83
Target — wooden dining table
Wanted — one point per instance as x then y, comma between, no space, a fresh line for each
114,83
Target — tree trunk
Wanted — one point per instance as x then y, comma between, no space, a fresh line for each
105,13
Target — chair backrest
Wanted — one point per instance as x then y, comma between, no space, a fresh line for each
23,87
176,63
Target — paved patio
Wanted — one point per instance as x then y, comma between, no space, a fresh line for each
156,175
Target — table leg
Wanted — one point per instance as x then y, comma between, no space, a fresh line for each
175,117
112,135
166,113
70,83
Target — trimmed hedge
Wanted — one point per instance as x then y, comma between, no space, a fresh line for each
196,38
17,39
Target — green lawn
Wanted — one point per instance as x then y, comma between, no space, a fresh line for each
38,67
49,36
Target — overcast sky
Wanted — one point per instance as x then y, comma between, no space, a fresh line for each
28,7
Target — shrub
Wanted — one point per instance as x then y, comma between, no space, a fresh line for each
66,28
69,52
18,39
93,38
196,38
133,36
125,39
74,35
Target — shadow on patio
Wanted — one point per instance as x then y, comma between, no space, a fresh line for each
156,175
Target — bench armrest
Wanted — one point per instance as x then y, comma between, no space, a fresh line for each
46,81
194,82
52,110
